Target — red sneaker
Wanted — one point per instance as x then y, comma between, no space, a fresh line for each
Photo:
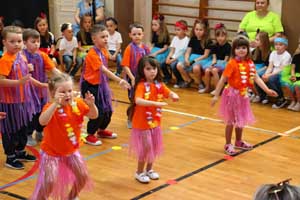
106,134
92,140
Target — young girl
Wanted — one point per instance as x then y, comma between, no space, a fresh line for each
47,38
197,54
84,38
260,57
114,43
63,173
290,80
235,108
220,54
146,134
160,41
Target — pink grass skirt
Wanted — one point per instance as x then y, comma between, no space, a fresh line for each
235,109
61,177
146,145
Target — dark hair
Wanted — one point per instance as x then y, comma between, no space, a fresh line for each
65,26
220,29
37,21
136,25
265,48
112,19
82,31
239,41
141,76
97,28
11,29
30,33
59,78
204,24
18,23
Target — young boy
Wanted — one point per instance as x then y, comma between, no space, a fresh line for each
17,99
279,59
132,54
68,50
41,63
95,80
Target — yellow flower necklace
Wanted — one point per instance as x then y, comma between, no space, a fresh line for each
247,77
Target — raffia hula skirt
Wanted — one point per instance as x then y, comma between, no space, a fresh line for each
57,176
235,109
146,145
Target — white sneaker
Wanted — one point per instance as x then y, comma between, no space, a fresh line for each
152,174
202,91
142,177
296,107
30,141
256,99
213,92
292,104
176,86
265,101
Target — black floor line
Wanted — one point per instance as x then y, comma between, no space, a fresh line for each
13,195
201,170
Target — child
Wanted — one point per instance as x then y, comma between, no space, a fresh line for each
279,59
197,55
220,56
160,42
17,99
132,54
290,79
1,28
84,36
68,50
177,48
235,105
62,168
114,43
41,63
260,57
146,134
95,79
47,38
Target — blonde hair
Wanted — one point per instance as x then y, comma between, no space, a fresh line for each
265,48
297,51
11,29
163,36
59,78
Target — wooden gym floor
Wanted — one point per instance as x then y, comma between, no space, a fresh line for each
193,165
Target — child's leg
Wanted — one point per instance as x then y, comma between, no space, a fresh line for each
287,90
297,90
216,77
206,81
76,66
176,73
68,63
228,133
197,73
239,142
238,134
140,167
119,60
183,73
103,123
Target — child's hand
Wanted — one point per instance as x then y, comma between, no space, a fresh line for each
30,67
132,82
74,61
58,97
187,63
114,57
2,115
293,78
174,97
24,79
271,93
125,85
158,103
89,98
214,101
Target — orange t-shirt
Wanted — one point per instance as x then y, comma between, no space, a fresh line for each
56,141
233,73
6,64
139,119
48,63
126,57
93,65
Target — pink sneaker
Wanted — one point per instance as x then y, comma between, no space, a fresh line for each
229,149
243,145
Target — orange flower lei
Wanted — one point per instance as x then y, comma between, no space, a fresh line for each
152,121
247,77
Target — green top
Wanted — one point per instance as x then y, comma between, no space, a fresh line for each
270,23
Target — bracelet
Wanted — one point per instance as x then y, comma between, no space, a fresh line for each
192,62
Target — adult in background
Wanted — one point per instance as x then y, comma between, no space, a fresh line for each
263,19
86,7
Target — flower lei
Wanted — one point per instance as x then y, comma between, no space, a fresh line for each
69,128
247,78
152,121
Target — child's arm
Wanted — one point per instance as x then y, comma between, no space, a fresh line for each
169,59
226,58
293,76
263,86
61,53
174,96
55,72
38,83
214,59
205,55
5,82
90,101
187,56
130,75
160,51
143,102
2,115
118,49
112,76
218,89
74,55
268,72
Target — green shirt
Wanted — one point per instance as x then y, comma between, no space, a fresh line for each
270,23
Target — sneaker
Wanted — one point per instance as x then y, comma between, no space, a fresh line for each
256,99
176,86
24,156
142,177
152,174
106,134
129,124
265,101
92,140
201,86
229,150
296,107
280,103
14,163
291,106
30,141
202,91
38,136
186,84
213,93
243,145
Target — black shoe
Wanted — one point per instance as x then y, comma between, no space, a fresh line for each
14,163
279,103
23,156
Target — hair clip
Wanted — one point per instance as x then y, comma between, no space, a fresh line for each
158,17
219,25
43,15
181,25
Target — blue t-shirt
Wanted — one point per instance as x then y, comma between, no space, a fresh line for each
83,10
